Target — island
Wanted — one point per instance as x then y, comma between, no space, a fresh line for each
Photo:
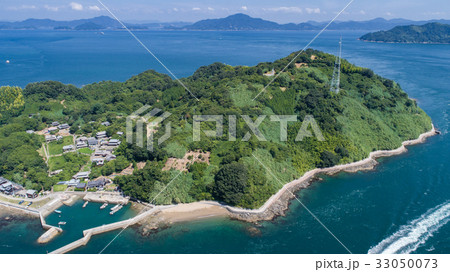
428,33
56,137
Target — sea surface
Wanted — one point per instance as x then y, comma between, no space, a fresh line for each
401,207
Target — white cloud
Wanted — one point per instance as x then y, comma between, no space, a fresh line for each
362,12
76,6
175,9
312,10
94,8
50,8
196,9
244,8
388,13
287,9
22,7
210,8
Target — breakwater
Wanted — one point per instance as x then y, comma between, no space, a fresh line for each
87,234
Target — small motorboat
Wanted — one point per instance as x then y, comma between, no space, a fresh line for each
8,62
58,211
62,223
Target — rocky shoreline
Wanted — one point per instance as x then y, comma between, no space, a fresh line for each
278,204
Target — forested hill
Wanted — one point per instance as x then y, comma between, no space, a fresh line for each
428,33
370,113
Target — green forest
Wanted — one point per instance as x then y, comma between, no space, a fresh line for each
369,113
428,33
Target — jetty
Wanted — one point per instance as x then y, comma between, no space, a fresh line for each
106,197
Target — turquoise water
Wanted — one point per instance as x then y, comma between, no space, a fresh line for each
382,210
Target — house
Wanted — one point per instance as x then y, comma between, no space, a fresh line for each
101,134
114,142
98,183
32,194
3,180
81,175
81,145
56,172
64,126
106,124
52,129
82,139
54,124
101,153
7,188
81,186
68,148
30,131
92,142
110,157
120,133
59,138
98,161
72,182
50,138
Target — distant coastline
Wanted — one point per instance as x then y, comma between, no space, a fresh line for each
431,33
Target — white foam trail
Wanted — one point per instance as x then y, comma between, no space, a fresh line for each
409,237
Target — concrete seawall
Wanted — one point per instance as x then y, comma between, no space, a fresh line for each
102,229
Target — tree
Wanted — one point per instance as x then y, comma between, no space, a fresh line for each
230,183
328,159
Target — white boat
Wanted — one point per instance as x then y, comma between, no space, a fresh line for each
85,204
116,210
7,61
57,211
103,206
62,223
115,207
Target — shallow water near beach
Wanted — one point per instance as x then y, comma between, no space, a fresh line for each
401,207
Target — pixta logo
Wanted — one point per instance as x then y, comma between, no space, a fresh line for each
151,121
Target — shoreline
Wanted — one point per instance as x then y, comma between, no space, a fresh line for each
165,215
279,202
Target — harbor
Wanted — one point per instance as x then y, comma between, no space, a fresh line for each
64,217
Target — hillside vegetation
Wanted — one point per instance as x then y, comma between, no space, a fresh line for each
370,113
428,33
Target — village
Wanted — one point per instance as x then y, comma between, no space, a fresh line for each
59,141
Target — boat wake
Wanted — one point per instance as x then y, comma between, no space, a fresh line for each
409,237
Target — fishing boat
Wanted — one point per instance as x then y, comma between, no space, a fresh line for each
115,207
58,211
116,210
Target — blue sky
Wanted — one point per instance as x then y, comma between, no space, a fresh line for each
282,11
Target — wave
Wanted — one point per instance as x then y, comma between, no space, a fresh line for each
409,237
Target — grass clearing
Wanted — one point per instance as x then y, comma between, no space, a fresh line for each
56,148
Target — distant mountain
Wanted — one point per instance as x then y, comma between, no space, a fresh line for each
103,22
428,33
244,22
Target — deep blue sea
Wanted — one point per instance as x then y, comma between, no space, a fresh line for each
403,206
